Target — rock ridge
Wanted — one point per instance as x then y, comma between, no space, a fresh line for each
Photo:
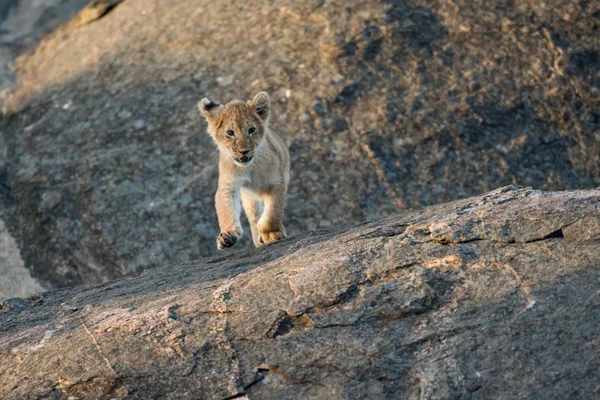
487,297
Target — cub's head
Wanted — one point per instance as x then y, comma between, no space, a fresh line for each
238,127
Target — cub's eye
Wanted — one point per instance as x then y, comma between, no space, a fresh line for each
230,133
251,131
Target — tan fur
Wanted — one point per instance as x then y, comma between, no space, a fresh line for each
259,186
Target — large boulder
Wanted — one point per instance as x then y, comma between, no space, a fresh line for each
23,23
493,296
386,106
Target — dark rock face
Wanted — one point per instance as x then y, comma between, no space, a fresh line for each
386,106
493,296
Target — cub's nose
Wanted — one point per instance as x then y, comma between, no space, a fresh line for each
244,152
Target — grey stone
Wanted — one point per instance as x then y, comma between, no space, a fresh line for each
15,279
493,296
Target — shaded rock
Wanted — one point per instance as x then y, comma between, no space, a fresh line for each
475,299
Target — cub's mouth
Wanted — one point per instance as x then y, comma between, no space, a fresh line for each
243,159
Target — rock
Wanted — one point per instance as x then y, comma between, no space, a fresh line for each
494,296
15,279
139,124
225,80
93,11
124,114
408,109
12,304
22,24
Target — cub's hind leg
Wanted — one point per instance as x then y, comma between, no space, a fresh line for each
253,208
270,225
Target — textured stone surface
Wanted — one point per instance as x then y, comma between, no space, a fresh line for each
493,296
386,106
22,24
14,277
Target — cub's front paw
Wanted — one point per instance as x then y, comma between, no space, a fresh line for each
227,239
265,238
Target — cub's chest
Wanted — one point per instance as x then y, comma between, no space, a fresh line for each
257,182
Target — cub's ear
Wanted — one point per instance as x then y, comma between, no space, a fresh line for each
262,105
209,109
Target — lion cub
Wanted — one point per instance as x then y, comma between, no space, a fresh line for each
254,169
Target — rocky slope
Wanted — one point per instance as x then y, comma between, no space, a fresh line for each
494,296
386,105
23,23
